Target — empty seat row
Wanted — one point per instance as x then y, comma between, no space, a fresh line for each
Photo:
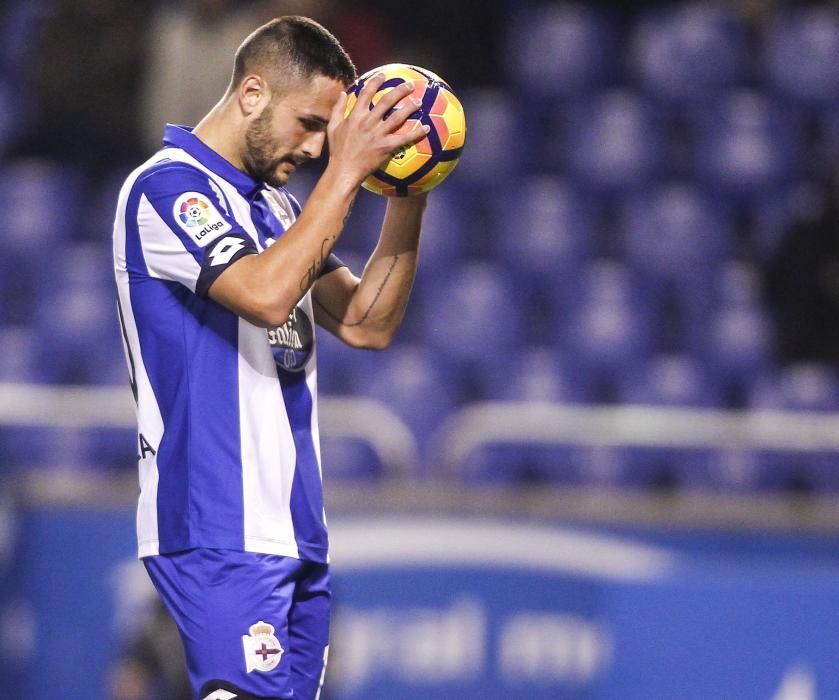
617,139
603,316
682,52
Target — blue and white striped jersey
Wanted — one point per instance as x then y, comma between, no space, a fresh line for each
228,450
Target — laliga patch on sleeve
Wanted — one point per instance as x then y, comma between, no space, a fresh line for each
198,216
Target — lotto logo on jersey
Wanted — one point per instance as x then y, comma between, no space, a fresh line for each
197,216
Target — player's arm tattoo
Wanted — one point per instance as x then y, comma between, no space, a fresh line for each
316,265
366,313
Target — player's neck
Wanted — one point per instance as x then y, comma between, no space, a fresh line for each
218,131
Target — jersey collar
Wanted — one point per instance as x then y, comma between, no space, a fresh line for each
182,137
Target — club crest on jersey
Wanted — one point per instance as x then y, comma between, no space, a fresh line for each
292,343
279,206
198,217
262,649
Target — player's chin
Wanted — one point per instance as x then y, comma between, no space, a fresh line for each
278,178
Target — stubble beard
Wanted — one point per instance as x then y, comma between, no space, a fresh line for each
257,157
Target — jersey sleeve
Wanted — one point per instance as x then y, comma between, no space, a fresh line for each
186,230
333,262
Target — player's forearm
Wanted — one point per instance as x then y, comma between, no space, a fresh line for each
269,285
301,252
385,287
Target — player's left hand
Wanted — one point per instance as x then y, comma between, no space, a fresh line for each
361,142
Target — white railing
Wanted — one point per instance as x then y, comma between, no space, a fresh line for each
485,423
83,407
470,428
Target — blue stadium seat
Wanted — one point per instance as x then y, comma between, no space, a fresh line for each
544,241
796,472
40,202
111,448
808,387
349,459
417,384
83,266
507,464
81,337
108,364
21,447
671,380
476,319
340,367
798,387
746,146
540,374
96,223
736,470
665,469
19,352
557,50
599,465
444,239
823,474
613,141
53,448
549,232
18,288
801,46
675,238
737,349
483,206
674,231
689,51
676,381
608,333
494,140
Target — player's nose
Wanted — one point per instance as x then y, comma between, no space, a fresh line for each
313,146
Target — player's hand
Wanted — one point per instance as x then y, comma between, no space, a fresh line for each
365,139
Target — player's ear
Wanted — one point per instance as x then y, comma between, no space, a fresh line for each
252,94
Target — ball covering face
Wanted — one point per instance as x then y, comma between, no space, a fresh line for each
424,165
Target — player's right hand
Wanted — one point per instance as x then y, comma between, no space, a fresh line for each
361,142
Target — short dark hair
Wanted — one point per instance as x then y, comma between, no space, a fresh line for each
292,48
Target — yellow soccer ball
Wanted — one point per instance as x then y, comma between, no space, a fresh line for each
426,164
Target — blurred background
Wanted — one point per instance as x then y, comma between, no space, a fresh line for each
601,459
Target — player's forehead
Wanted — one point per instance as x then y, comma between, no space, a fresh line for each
313,97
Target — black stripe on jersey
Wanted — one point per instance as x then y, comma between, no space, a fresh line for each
333,262
220,255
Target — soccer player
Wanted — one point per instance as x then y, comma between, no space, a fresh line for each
221,278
